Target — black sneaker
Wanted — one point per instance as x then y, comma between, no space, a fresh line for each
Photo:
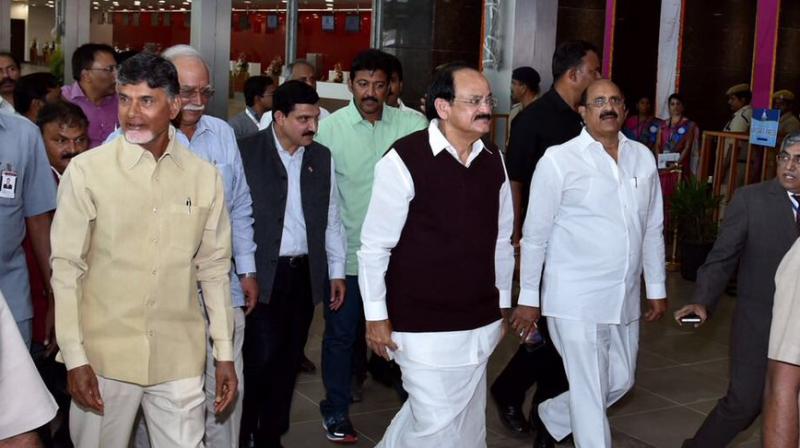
339,430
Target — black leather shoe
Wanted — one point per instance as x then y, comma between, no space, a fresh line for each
543,438
512,418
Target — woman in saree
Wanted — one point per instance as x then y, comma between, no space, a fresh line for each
642,127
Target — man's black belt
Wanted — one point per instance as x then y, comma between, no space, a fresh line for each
294,261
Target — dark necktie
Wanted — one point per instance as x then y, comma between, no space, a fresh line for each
796,198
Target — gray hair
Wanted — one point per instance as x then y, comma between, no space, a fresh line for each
176,52
290,67
791,139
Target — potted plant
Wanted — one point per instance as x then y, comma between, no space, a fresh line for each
692,208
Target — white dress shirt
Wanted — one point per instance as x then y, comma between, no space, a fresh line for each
392,192
594,225
294,240
6,107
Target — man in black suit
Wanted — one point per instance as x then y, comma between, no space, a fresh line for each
301,245
760,226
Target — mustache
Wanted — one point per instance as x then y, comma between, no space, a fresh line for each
609,113
69,155
7,81
483,117
369,98
309,134
194,107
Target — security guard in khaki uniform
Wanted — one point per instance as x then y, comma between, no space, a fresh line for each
783,100
739,97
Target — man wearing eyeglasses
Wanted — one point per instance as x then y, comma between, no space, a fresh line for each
94,68
436,264
594,222
760,225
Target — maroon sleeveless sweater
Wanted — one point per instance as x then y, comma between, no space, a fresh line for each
441,274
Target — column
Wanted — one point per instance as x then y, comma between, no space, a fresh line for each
669,49
608,37
377,24
211,36
5,25
534,36
766,40
76,26
291,31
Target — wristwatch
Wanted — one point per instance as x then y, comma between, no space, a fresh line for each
247,275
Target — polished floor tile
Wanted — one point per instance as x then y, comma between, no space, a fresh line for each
681,374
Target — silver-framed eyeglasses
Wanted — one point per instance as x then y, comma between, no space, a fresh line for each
188,93
476,101
785,157
601,101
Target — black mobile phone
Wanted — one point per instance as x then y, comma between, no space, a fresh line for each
691,319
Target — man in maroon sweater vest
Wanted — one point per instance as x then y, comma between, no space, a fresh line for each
436,262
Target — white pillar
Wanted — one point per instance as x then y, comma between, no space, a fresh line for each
5,25
535,37
211,36
77,15
669,42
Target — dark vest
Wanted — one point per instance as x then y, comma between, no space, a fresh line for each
441,274
268,183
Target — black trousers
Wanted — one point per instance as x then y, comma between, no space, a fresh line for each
275,335
542,367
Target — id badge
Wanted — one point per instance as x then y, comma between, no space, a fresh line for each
8,184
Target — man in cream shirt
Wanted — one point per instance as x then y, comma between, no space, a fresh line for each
142,221
595,221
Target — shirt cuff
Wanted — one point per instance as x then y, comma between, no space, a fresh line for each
72,358
245,263
505,298
656,291
223,350
375,310
336,270
529,297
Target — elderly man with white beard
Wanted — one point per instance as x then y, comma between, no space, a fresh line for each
213,140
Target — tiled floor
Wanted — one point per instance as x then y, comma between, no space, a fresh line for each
681,374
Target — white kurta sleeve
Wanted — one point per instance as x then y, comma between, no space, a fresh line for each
545,199
504,251
392,191
653,246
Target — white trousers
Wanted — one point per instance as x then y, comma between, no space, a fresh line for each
222,431
600,361
173,410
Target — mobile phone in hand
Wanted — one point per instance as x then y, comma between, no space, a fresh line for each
691,319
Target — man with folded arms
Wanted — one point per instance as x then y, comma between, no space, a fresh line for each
141,221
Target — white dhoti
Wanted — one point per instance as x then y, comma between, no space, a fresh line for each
600,361
27,404
445,377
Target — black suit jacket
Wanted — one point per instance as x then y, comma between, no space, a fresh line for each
757,231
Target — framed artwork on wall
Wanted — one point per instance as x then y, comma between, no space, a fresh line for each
328,23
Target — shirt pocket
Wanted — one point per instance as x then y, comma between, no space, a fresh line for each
642,188
186,224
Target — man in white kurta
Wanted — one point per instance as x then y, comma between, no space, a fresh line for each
436,264
594,222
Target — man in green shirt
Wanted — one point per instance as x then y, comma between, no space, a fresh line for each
357,135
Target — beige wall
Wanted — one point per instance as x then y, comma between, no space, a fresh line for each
101,34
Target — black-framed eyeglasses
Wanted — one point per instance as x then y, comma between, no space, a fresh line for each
109,69
614,101
476,101
785,157
189,93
